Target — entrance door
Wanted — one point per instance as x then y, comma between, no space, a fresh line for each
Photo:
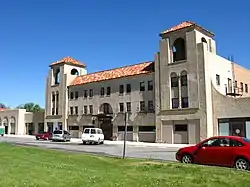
238,128
107,129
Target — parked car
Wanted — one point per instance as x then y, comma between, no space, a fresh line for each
44,136
61,135
92,135
229,151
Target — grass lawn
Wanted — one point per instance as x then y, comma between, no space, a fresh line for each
23,167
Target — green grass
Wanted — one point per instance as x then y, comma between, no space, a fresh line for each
24,167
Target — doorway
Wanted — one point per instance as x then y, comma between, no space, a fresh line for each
107,128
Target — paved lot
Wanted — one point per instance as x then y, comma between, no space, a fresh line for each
162,153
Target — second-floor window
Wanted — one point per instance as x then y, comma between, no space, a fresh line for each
76,95
108,91
71,111
128,88
150,85
85,93
121,89
91,93
246,88
142,86
85,109
128,106
150,106
102,91
76,110
71,95
91,109
121,105
241,87
142,105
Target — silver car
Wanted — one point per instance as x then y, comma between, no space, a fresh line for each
61,135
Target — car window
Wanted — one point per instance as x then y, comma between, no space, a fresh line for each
224,142
99,131
93,131
212,142
57,132
86,131
235,143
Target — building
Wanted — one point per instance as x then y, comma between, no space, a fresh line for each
187,93
20,122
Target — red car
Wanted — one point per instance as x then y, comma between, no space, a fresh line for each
229,151
44,136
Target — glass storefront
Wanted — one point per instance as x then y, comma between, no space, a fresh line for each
234,127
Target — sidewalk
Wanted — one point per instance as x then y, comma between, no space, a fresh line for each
144,144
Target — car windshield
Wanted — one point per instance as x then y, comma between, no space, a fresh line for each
246,140
86,131
57,132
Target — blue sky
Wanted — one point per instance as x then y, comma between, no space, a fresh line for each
102,34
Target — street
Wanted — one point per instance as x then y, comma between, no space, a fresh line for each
133,151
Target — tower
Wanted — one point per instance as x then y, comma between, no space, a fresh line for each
60,75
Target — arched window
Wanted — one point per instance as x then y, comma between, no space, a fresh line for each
203,40
57,102
57,76
53,103
174,90
184,90
74,72
179,50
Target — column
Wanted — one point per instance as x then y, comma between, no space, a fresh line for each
193,131
135,133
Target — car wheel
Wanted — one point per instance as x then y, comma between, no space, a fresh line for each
37,138
83,142
186,159
241,164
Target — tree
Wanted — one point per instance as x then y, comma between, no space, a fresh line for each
31,107
2,105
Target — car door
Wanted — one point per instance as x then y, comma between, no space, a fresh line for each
207,152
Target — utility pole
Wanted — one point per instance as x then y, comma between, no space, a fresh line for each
125,134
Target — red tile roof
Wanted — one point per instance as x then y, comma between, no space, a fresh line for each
121,72
183,25
2,109
68,60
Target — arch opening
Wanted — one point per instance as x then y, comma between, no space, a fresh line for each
203,40
12,125
74,72
5,124
57,76
106,108
179,50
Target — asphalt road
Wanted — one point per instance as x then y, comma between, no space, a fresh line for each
158,153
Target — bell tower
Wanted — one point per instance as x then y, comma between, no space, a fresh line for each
60,75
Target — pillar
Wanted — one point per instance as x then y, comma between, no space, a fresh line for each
136,133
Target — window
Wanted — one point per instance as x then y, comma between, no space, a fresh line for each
102,91
184,102
229,82
174,90
56,111
76,95
121,105
246,88
91,93
235,84
108,91
121,89
53,97
91,109
235,143
150,106
71,95
76,110
92,131
142,105
57,96
217,79
241,87
142,86
150,85
211,142
85,109
183,80
128,88
53,111
178,128
85,94
128,106
76,128
71,111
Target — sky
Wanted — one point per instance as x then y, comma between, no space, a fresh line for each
103,34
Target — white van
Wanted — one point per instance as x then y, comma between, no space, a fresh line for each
92,135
